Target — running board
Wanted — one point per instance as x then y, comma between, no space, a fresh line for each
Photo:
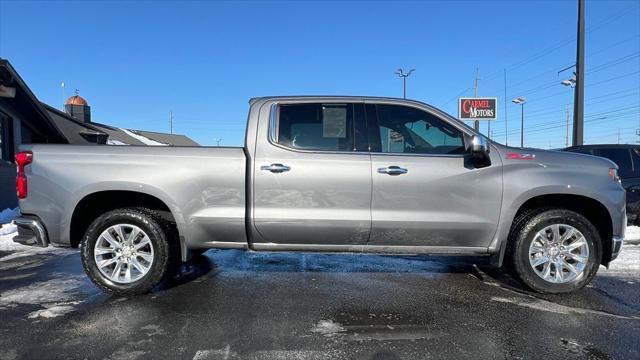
375,249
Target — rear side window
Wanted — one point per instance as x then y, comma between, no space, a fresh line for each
582,151
622,158
408,130
323,127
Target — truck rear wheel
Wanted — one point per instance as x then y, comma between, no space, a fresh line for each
554,250
127,251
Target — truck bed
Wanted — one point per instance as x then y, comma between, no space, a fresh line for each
203,187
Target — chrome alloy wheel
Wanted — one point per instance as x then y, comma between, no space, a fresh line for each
559,253
123,253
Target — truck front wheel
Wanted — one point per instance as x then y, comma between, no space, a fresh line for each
554,250
127,251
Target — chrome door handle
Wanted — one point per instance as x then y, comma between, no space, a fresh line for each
392,170
275,168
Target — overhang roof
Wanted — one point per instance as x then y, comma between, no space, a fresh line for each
32,111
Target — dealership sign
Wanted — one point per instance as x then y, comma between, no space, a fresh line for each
477,108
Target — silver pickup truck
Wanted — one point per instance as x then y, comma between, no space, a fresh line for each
331,174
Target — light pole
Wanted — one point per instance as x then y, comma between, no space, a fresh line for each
578,99
521,101
404,77
571,82
218,141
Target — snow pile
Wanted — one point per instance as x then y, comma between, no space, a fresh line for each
627,264
632,233
8,230
145,140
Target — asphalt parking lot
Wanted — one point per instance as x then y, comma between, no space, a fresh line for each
243,305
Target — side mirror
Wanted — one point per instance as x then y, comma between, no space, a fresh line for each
479,145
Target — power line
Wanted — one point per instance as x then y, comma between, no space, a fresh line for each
591,118
565,42
536,114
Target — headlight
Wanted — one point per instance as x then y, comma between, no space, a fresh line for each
613,174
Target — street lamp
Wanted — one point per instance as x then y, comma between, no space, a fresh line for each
569,82
404,77
521,101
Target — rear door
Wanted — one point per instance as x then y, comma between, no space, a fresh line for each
312,175
425,191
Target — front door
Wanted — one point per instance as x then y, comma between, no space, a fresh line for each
312,178
425,191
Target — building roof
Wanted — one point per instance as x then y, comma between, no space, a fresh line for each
77,132
119,136
57,126
170,139
26,103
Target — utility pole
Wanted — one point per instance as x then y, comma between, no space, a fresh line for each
578,102
404,77
476,123
171,121
618,135
506,132
566,140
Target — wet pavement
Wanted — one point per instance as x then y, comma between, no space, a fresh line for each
242,305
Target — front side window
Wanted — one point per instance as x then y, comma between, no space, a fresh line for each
323,127
411,131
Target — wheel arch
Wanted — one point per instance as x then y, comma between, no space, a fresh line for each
93,204
595,211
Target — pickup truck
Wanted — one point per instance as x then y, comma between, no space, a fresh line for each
330,174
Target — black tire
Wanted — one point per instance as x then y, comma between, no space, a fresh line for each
162,240
522,235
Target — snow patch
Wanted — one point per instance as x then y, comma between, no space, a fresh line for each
543,305
53,310
44,292
225,353
115,142
328,328
145,140
57,296
627,265
8,229
7,233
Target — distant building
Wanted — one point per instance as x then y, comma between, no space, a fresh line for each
25,120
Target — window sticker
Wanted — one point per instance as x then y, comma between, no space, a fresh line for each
334,122
395,136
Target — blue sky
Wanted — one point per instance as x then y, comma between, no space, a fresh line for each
136,61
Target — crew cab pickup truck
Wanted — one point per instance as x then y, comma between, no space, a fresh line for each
331,174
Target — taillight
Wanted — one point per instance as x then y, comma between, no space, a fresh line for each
23,159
